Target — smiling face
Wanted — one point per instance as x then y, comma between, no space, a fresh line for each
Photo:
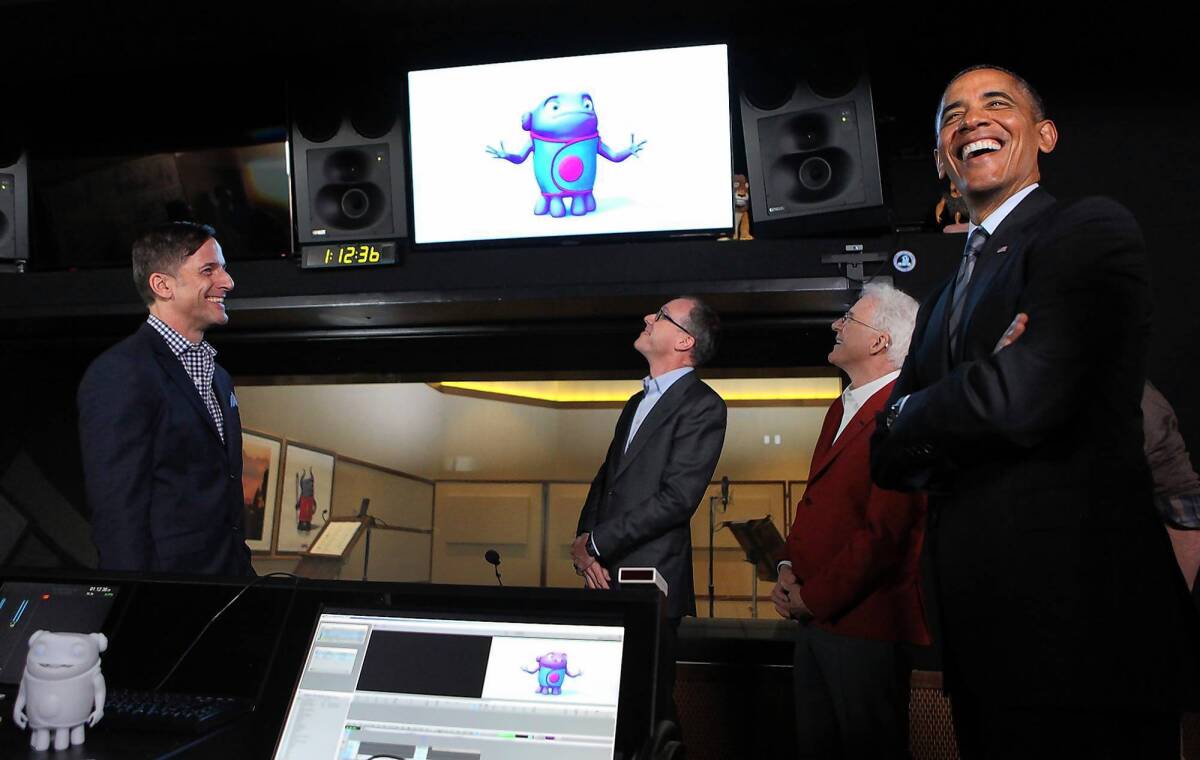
989,137
856,342
59,656
193,299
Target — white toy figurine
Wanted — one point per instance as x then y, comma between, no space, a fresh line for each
61,683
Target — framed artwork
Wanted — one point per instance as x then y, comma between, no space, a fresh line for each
260,488
306,500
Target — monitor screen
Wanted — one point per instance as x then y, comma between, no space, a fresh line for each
380,684
635,142
59,607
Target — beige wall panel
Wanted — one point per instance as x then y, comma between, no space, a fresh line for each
395,556
413,428
486,518
731,572
470,518
566,499
397,500
747,501
264,564
746,457
397,425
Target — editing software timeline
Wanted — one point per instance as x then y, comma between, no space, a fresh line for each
378,684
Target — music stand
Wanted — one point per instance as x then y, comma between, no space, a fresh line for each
764,548
331,548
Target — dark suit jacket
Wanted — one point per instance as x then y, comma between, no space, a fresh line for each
640,505
1054,575
165,493
855,547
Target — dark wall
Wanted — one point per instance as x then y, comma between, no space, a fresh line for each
126,78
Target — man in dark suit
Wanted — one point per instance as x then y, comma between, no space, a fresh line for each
668,439
851,577
158,421
1067,630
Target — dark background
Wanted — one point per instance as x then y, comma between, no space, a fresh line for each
83,83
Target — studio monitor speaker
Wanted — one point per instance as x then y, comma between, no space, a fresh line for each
810,149
14,204
347,156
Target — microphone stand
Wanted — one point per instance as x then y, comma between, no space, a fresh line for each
712,532
712,518
370,522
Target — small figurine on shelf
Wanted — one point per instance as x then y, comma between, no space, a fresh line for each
62,688
951,211
741,209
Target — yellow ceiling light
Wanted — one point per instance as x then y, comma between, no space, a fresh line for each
758,391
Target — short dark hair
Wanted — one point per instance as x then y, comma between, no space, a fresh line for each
163,248
705,327
1039,105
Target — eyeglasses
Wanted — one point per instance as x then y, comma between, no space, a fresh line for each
848,317
662,314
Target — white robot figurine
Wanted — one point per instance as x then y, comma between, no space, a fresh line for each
62,682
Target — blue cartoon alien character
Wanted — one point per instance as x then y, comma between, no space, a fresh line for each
564,142
552,671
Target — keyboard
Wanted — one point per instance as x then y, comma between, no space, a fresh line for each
167,711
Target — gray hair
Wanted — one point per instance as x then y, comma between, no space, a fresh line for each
895,314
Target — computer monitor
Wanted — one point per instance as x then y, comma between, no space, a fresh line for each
387,684
615,143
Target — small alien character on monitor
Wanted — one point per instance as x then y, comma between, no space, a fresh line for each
552,672
564,142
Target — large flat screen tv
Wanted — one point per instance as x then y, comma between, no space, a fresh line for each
610,144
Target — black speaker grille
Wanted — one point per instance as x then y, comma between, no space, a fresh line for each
317,114
372,117
354,189
812,158
7,215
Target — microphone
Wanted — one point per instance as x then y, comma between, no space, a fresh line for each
724,493
493,558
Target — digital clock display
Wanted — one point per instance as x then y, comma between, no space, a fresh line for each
347,255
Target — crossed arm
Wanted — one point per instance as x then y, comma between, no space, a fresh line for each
1088,269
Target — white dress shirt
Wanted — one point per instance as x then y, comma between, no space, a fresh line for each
854,398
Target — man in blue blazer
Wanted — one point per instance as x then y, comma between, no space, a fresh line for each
668,439
158,421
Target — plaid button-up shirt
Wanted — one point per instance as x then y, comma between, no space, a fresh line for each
200,362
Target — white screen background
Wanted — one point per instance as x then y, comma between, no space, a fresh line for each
677,100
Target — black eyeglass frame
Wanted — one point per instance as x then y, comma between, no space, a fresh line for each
662,314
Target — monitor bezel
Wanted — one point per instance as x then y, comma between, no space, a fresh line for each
570,240
637,611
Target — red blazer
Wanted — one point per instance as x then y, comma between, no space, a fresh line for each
854,546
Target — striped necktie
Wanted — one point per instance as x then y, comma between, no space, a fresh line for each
970,254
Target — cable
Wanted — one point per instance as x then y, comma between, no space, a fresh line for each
213,619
